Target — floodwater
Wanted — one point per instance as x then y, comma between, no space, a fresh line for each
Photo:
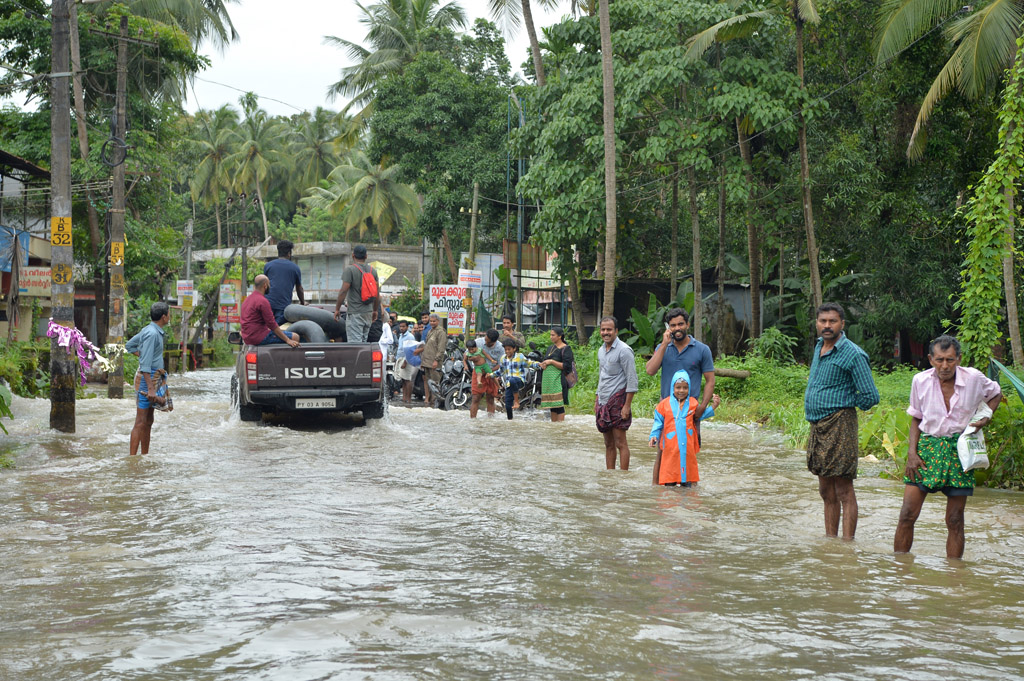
428,546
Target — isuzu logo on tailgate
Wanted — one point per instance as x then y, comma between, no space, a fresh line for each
314,372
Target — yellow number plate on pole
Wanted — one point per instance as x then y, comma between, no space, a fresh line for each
116,253
60,231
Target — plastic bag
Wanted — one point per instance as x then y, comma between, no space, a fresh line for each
970,446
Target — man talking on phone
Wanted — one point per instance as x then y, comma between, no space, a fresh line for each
679,350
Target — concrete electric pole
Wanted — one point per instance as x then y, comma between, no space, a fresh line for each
115,328
63,366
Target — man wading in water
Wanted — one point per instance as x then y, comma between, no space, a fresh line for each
616,385
840,380
943,400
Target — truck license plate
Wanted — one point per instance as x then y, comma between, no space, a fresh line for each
316,403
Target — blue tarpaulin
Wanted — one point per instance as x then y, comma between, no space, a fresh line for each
7,247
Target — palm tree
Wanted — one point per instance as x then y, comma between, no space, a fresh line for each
394,32
513,14
745,24
313,146
374,199
985,39
258,152
610,215
199,19
213,175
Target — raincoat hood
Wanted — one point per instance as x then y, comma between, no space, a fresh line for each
680,411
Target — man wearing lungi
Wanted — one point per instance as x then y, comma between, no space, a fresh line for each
839,382
617,383
943,400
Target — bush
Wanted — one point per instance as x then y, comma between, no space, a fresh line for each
773,345
409,302
24,366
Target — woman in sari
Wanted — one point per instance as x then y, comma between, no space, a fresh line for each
558,363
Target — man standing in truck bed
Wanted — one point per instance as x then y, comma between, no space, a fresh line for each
362,305
285,277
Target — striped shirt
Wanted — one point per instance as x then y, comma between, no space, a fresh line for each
839,379
515,367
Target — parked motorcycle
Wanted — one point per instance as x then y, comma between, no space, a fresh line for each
454,389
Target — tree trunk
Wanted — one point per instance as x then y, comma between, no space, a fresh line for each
720,317
753,238
95,238
673,275
782,276
538,64
611,221
216,212
697,318
450,256
577,305
1012,320
263,213
805,172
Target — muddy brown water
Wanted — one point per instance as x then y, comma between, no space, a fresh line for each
428,546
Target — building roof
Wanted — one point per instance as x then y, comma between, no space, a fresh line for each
25,167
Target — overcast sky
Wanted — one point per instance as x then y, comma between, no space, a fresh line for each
280,53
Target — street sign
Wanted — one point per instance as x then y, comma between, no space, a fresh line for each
60,231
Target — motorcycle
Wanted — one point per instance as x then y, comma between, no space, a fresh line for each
454,389
530,393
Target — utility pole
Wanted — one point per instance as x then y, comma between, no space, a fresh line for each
185,313
115,327
472,226
63,365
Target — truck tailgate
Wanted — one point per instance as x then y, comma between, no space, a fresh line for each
316,366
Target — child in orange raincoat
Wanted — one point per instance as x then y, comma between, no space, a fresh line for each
676,463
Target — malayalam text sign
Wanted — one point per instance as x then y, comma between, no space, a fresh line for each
185,293
471,278
35,281
444,298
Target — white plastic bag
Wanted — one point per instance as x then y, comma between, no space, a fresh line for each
970,446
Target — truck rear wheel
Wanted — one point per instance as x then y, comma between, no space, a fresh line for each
246,412
374,410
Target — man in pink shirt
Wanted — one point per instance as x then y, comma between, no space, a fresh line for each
257,319
943,400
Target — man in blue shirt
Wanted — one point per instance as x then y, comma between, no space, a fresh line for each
284,277
679,351
148,344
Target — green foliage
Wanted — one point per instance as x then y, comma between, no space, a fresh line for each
989,215
24,367
409,302
773,345
5,406
445,127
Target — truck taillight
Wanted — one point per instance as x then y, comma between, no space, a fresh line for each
250,368
378,366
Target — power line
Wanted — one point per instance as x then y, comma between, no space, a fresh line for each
232,87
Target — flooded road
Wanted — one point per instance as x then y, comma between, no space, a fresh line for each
427,546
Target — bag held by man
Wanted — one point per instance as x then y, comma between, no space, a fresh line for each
368,286
970,446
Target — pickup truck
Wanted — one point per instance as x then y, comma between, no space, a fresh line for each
339,377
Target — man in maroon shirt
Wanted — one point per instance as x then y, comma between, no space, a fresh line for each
258,324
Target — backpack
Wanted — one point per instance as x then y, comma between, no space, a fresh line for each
368,286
